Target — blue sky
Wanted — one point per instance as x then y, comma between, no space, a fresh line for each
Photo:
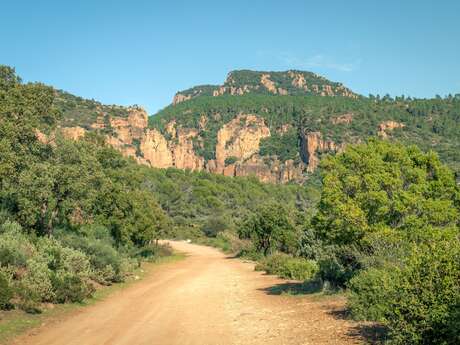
142,52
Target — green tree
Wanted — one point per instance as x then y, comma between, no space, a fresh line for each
381,186
270,228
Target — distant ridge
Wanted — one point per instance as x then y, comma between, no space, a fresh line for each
292,82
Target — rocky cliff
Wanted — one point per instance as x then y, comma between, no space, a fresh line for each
237,151
277,129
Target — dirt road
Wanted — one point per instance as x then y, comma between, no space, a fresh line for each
206,299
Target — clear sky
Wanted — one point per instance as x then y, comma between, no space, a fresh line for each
142,52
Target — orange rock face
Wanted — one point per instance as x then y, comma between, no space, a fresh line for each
237,147
184,156
268,83
132,127
178,98
312,143
155,150
388,126
73,133
240,138
298,80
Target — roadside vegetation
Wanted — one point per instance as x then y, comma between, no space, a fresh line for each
386,231
69,220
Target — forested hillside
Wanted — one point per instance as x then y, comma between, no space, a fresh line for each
292,120
248,127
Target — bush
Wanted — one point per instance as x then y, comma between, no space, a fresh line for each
75,262
70,288
214,225
104,260
9,226
37,281
104,276
338,264
288,267
298,269
6,291
417,298
26,299
153,252
230,160
15,250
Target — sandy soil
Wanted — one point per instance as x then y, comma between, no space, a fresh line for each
208,298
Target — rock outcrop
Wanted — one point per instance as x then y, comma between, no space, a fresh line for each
73,133
387,126
183,152
237,151
240,139
155,149
179,97
312,144
298,80
131,128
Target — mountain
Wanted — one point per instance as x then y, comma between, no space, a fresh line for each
292,83
274,125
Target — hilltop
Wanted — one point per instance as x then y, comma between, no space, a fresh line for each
294,83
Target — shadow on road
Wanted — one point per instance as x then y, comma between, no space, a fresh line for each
371,332
306,288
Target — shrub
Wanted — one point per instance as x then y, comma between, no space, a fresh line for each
214,225
15,249
70,288
6,291
298,269
104,276
230,160
104,260
251,253
230,242
75,262
338,264
127,266
153,252
26,299
288,267
10,227
37,281
417,298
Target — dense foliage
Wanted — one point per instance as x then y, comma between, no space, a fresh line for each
208,203
387,227
68,217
